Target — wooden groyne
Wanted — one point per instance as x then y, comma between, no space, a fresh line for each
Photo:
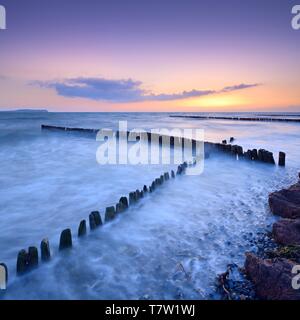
266,119
260,155
28,260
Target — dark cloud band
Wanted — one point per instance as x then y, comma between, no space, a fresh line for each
122,90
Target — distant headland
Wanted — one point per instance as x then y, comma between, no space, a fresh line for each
26,110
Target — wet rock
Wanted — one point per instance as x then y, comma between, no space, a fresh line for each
145,189
65,241
231,139
110,214
166,176
173,174
233,284
287,252
287,231
82,228
281,159
224,141
45,250
272,277
286,202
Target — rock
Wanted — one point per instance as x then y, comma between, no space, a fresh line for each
110,214
82,228
272,277
145,189
286,202
33,258
224,141
287,231
65,241
231,139
45,250
173,174
166,176
281,159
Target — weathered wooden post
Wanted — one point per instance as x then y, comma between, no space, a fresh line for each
124,201
132,198
65,241
22,262
173,174
281,159
45,250
3,276
110,214
97,218
33,258
82,228
92,221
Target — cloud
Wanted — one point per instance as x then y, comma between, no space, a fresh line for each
122,90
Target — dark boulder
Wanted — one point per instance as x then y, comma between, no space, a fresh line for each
287,231
272,277
286,202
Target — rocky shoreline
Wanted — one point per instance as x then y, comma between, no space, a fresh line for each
268,273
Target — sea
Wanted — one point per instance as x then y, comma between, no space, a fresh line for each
171,245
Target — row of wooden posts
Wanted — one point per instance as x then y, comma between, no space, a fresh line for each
28,260
261,155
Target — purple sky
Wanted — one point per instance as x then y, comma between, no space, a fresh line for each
142,49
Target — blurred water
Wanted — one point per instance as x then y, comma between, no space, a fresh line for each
170,245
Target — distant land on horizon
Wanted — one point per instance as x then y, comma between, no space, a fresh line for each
26,110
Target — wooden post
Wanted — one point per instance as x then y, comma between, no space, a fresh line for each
45,250
281,159
65,241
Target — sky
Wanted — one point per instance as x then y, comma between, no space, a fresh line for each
129,55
